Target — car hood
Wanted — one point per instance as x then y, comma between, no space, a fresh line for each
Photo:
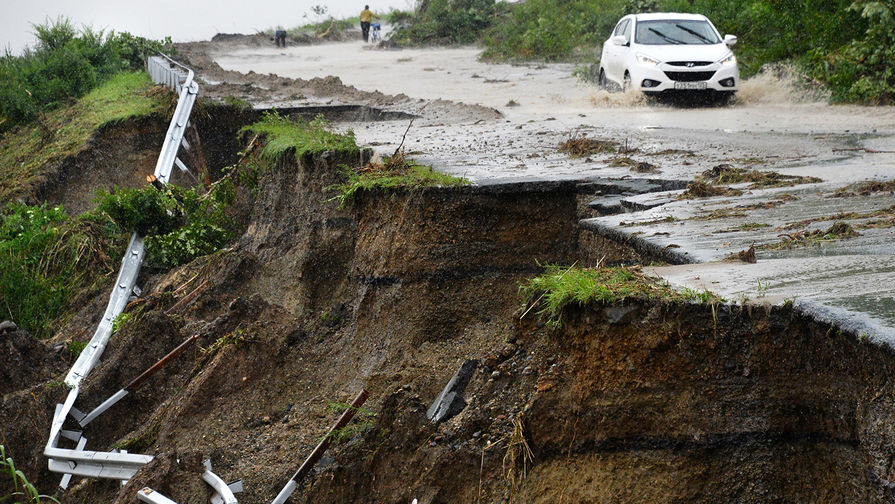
688,52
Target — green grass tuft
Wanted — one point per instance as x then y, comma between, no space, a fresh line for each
409,175
23,491
559,287
284,135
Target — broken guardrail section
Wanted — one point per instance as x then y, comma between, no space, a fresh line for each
118,465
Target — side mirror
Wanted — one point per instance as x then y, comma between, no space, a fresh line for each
730,40
619,40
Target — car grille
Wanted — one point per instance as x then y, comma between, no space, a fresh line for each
690,64
689,76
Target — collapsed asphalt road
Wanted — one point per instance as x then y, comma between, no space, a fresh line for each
503,123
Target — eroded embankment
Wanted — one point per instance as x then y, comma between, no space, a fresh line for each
629,402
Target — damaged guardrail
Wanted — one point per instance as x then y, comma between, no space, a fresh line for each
118,465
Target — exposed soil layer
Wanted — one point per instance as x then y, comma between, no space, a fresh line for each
632,402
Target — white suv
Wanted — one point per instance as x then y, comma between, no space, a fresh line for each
667,52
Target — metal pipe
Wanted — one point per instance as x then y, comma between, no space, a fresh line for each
321,448
139,380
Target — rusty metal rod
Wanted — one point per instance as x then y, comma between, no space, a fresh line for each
185,300
321,448
136,382
155,368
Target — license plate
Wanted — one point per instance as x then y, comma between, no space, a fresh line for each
689,85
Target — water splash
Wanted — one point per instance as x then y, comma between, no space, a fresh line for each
781,83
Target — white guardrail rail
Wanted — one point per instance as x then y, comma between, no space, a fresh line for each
76,461
120,465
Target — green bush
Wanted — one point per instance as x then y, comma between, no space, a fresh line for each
45,257
444,22
179,224
64,65
862,70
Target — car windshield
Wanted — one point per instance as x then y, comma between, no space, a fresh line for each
675,31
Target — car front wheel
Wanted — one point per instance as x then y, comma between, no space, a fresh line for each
627,83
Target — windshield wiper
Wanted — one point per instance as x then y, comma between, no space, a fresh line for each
695,33
666,37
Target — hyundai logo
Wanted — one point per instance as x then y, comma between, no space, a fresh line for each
690,64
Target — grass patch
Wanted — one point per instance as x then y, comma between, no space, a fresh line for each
559,287
727,174
300,136
864,189
27,151
397,172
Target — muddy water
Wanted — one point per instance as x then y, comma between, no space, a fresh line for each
765,104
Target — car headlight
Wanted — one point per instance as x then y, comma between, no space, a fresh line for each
646,60
729,59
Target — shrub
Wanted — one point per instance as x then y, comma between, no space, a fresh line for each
444,22
64,65
179,224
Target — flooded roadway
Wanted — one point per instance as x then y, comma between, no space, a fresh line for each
770,126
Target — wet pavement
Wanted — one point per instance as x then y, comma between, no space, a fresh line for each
770,127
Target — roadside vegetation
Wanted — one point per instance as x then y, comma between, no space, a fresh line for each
299,136
845,45
396,172
65,64
47,256
22,490
560,286
27,151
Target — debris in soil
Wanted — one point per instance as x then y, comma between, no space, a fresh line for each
622,161
749,226
727,174
864,189
838,231
450,402
644,167
699,189
512,103
720,213
748,255
660,220
583,146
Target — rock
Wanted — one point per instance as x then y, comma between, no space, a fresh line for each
8,325
450,402
619,314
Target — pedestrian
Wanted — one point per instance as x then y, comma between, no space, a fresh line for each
366,17
280,36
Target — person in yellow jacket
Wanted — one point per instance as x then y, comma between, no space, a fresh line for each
366,16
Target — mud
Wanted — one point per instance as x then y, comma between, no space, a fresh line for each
630,402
